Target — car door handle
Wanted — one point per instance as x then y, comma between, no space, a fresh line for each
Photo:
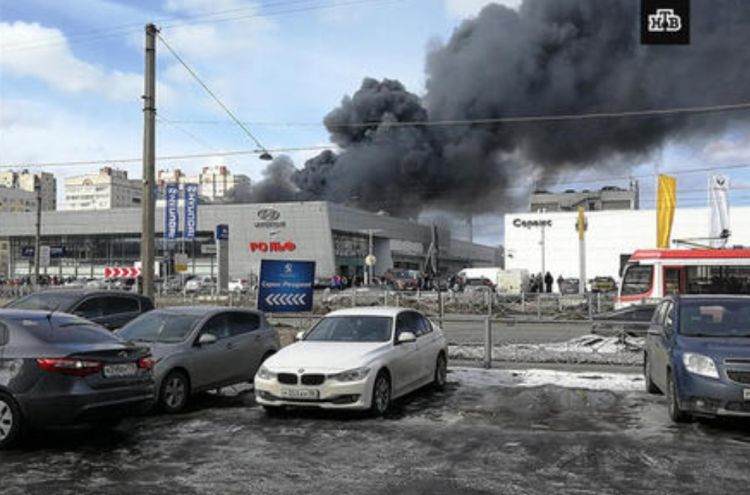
230,345
257,337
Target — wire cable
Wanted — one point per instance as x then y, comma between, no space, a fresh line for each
211,93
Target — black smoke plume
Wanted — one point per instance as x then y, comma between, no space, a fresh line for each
552,57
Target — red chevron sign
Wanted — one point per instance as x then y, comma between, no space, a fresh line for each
121,272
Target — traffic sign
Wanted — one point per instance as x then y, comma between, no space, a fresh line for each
180,262
370,260
121,272
286,286
222,232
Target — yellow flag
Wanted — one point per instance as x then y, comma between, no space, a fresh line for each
581,224
666,201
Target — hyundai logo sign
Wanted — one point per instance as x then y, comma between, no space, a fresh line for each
269,214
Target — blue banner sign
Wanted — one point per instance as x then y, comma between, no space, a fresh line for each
222,232
54,251
191,211
286,286
171,215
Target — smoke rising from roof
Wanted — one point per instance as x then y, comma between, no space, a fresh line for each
548,58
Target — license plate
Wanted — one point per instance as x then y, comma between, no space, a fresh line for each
299,393
120,370
746,393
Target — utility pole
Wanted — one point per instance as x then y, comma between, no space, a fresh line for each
581,227
542,244
38,237
148,244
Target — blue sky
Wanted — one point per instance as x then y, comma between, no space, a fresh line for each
70,82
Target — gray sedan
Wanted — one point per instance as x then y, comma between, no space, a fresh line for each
199,348
57,369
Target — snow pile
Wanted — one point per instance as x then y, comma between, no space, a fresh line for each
588,349
477,378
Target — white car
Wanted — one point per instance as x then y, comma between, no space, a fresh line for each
359,358
238,285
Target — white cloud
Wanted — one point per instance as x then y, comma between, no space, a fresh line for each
461,9
55,63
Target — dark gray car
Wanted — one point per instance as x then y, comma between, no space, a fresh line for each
58,369
199,348
111,309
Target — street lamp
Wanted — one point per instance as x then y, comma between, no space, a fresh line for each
266,156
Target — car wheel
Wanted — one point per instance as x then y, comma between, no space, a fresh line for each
381,394
673,404
441,372
651,388
10,421
174,392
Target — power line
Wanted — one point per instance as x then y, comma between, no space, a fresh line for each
189,134
97,34
213,95
498,120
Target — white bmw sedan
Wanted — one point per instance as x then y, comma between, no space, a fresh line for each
359,358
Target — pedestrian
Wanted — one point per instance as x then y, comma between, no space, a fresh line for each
548,280
560,282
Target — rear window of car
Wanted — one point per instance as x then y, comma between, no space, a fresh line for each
49,301
65,329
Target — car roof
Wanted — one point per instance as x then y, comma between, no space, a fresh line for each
203,310
88,292
369,311
712,297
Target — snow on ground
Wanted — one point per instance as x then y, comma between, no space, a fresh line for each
618,382
585,349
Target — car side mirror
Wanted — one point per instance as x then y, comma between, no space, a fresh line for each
207,339
406,337
299,336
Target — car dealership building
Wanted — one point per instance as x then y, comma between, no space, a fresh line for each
611,237
336,237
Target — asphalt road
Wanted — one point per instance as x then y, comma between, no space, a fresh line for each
470,439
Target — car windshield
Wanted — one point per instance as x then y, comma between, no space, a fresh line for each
351,329
715,318
159,326
46,301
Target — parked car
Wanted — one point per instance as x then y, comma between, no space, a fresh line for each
359,358
569,286
698,353
632,320
200,284
199,348
111,309
59,369
603,284
239,285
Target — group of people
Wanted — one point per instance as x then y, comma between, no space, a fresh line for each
539,283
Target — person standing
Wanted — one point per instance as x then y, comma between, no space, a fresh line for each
548,280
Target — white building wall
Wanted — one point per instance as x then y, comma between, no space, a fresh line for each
610,234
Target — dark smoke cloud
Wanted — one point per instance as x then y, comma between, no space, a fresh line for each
551,57
276,184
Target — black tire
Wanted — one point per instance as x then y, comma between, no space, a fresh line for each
174,392
651,387
440,377
676,414
11,422
381,394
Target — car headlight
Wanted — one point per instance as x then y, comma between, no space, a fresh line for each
699,364
354,375
265,374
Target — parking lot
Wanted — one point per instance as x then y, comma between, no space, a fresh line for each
495,431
